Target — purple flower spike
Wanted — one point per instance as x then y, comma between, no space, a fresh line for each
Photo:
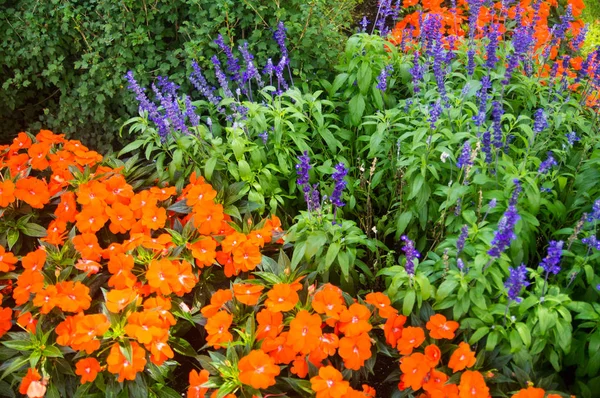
338,177
383,76
302,169
547,164
465,156
411,254
517,280
505,232
460,242
551,262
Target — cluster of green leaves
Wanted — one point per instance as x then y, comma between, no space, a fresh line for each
64,60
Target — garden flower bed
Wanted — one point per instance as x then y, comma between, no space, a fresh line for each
418,220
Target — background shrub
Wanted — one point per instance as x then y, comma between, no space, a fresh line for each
64,60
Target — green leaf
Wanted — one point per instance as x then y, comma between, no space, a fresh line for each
182,347
131,147
19,345
34,230
479,334
409,302
492,341
52,352
332,253
524,332
315,243
12,237
209,167
356,106
364,77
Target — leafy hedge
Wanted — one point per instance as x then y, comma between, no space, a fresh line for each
63,61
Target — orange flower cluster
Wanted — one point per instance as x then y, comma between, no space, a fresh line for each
145,255
324,331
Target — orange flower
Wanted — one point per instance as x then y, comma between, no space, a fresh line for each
195,390
31,376
278,349
355,320
204,251
154,217
305,331
7,260
246,256
120,266
530,392
440,328
433,355
270,324
462,358
121,218
435,381
414,370
393,329
162,275
412,337
382,303
21,141
28,282
200,194
472,385
87,245
118,362
118,190
32,191
300,367
5,320
282,297
73,296
46,299
91,218
232,241
118,299
38,153
217,301
355,350
247,293
329,301
145,326
67,208
27,321
208,218
217,328
88,369
329,383
56,232
7,193
258,370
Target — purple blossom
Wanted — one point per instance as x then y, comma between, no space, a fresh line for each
483,99
280,36
411,254
471,61
199,81
486,145
338,177
565,21
383,76
166,95
363,24
221,77
492,46
302,170
492,204
251,71
147,106
190,112
572,138
591,242
551,262
517,280
497,112
435,113
465,157
416,72
315,198
540,122
460,264
579,39
281,83
384,11
460,242
505,232
233,64
595,214
264,136
547,164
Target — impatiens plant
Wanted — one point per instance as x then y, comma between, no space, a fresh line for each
101,301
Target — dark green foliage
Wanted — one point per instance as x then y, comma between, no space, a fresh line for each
63,61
